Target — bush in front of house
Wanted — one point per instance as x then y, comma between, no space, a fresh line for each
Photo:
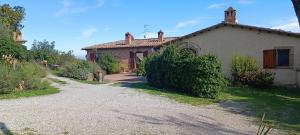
109,63
76,70
140,70
185,72
246,71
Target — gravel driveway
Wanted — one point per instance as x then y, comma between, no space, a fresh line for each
84,109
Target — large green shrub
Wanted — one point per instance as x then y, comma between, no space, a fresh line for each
27,75
77,70
109,63
8,78
11,49
31,74
140,70
80,69
185,72
246,71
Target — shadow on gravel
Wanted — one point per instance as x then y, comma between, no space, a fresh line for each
192,124
4,129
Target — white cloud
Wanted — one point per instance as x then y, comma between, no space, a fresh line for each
216,5
290,25
87,33
69,7
66,5
246,2
187,23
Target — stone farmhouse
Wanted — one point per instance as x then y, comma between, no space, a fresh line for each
129,51
275,50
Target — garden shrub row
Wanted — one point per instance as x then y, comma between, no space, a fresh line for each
183,71
79,69
25,76
246,71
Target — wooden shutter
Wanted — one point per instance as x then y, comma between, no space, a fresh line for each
270,59
131,60
145,54
92,56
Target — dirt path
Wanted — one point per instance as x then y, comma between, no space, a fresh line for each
102,109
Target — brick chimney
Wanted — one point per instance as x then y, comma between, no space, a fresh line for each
160,36
128,38
230,16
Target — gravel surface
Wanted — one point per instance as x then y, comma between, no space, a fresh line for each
84,109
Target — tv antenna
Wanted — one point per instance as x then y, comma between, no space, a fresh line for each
146,30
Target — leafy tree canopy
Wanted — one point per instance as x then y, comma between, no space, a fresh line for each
12,17
11,49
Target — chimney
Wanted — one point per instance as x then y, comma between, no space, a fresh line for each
128,38
230,16
160,36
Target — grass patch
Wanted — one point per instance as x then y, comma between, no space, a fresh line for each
281,105
179,97
29,93
57,81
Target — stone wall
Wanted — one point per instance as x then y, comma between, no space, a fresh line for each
123,54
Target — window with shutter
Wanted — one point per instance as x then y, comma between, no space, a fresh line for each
270,59
283,59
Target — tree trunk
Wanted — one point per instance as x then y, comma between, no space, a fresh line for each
296,4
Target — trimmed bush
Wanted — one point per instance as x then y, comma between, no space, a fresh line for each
77,70
140,71
246,71
109,63
185,72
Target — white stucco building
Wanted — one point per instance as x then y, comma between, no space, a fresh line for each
275,50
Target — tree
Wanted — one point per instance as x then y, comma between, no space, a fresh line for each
12,50
296,4
12,17
5,32
44,50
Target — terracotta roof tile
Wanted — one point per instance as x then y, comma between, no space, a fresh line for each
150,42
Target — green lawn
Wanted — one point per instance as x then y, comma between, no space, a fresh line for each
29,93
281,105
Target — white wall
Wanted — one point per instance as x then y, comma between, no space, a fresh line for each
226,41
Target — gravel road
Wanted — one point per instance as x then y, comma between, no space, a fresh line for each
84,109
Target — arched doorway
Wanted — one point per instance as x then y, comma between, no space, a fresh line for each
190,47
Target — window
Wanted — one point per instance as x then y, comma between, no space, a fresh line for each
277,58
283,57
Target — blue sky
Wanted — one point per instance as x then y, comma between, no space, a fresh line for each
74,24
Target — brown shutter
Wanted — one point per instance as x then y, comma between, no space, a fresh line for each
92,56
145,54
270,59
131,60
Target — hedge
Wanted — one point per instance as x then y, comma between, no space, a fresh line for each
185,72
